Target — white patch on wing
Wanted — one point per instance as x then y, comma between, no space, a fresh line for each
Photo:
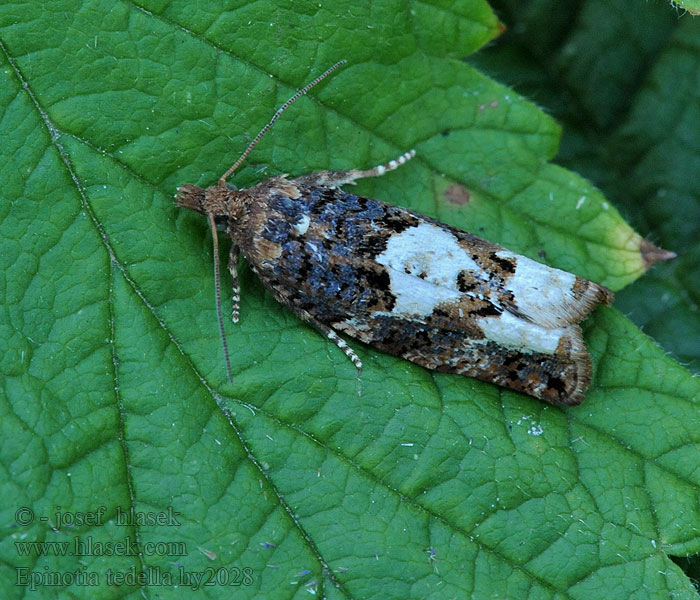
433,253
302,225
541,292
417,297
512,332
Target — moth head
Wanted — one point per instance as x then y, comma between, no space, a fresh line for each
219,200
192,197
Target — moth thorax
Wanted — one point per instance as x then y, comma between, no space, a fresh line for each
221,201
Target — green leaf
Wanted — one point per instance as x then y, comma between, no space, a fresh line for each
692,6
285,482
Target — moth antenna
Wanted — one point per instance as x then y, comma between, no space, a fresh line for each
217,286
280,110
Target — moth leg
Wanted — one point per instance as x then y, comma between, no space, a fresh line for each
233,269
338,178
333,337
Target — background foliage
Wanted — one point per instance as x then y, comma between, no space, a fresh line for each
624,83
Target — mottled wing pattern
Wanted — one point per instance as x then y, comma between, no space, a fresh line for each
430,293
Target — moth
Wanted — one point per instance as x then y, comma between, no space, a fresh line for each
401,282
